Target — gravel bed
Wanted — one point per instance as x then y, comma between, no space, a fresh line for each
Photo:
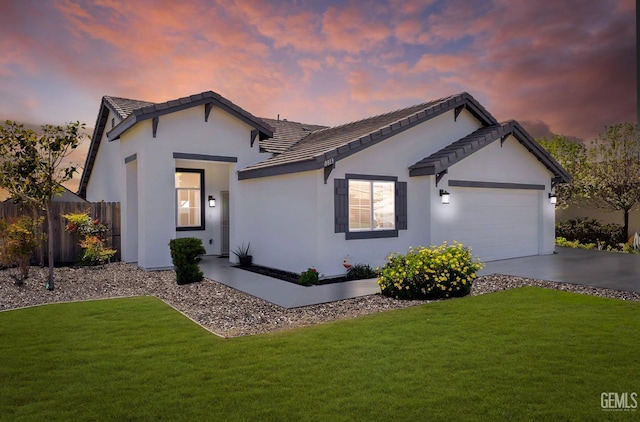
220,309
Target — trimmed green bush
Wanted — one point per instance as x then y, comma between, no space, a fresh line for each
429,273
589,230
361,272
185,254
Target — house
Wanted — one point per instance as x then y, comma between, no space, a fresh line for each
308,195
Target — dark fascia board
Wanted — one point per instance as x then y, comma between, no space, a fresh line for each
157,110
204,157
296,167
464,99
541,154
452,156
98,130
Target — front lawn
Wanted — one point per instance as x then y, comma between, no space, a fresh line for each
524,354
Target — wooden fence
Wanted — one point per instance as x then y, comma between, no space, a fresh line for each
66,247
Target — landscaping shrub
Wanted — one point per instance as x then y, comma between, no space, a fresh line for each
18,240
309,277
92,237
185,254
361,272
430,273
561,241
589,230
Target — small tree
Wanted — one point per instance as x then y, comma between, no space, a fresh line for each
91,236
613,177
572,156
32,170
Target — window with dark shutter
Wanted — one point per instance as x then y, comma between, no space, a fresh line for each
367,207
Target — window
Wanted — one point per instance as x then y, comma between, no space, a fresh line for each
189,199
370,206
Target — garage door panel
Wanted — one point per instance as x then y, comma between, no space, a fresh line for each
496,223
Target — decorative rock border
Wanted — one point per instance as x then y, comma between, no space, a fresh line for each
221,309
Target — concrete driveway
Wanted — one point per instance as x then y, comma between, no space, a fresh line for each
611,270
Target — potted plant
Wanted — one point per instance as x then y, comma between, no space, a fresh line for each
243,255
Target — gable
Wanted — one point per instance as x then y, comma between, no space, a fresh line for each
118,115
439,162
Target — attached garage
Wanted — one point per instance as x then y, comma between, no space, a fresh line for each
498,223
499,181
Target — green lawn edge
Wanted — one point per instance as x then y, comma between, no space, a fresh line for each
521,354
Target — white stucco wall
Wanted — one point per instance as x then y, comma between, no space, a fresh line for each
153,173
107,177
279,215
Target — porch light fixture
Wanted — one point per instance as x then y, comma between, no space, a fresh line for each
212,201
553,199
446,196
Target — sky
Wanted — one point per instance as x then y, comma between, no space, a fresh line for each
557,66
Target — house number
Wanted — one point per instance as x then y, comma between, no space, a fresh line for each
328,162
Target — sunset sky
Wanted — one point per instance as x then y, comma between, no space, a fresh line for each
561,66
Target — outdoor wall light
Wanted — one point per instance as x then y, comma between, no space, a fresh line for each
446,196
212,201
553,199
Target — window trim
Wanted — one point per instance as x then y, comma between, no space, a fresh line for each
373,234
175,198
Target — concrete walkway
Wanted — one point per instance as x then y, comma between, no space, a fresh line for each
578,266
611,270
279,292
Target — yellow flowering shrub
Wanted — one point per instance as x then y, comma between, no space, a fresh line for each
429,273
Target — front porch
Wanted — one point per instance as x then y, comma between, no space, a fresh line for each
282,293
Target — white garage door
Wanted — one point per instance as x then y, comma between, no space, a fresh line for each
496,223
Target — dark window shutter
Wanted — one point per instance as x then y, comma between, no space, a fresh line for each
341,205
401,206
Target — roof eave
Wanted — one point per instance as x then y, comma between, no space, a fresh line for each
98,130
297,167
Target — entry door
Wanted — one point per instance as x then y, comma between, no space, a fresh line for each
225,223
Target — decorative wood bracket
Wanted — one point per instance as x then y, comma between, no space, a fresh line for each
440,175
457,112
503,139
254,134
555,181
327,171
155,122
207,111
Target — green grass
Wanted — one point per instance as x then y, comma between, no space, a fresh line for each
525,354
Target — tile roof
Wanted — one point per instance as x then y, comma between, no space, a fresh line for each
331,144
462,148
286,134
123,107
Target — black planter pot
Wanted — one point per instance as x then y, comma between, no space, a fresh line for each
245,261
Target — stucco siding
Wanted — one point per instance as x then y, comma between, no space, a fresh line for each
279,215
107,177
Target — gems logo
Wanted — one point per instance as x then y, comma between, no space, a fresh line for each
619,402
